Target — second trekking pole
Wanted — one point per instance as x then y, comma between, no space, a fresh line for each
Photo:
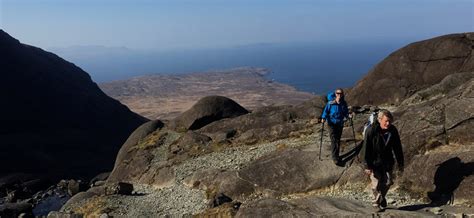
321,144
353,133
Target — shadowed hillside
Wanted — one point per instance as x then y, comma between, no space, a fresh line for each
54,119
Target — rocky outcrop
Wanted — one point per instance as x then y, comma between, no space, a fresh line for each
55,119
268,123
153,149
317,207
206,111
442,176
415,67
438,115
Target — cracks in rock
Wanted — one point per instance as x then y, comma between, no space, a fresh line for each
459,123
343,172
441,59
445,134
238,176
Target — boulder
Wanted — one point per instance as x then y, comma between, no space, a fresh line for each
443,175
99,179
131,162
206,111
119,188
414,67
75,186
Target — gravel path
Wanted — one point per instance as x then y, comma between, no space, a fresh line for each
179,200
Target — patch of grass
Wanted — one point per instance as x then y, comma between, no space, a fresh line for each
152,140
224,211
281,147
216,146
211,192
94,207
181,129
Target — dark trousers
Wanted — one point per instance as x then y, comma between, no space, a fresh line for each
381,180
335,132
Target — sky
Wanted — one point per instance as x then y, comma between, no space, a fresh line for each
177,24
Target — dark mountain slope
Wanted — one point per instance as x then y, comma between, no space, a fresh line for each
54,118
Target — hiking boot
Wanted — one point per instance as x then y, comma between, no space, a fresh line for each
378,208
341,163
383,203
338,162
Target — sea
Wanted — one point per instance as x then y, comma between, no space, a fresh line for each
311,67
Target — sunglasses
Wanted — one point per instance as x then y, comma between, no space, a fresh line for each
339,93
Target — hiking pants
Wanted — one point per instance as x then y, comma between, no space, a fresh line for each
380,182
335,132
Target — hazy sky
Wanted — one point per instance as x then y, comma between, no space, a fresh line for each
160,24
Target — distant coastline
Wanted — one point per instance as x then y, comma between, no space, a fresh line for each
165,96
309,67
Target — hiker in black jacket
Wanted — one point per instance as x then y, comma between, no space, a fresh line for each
381,143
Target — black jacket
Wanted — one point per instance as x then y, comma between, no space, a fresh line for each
377,155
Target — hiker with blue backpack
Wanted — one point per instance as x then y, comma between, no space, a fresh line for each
334,114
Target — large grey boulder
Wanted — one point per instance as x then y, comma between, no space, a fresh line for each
207,110
414,67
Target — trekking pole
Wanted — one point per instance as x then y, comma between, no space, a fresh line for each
353,133
321,144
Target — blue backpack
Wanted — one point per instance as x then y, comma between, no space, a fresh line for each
331,96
